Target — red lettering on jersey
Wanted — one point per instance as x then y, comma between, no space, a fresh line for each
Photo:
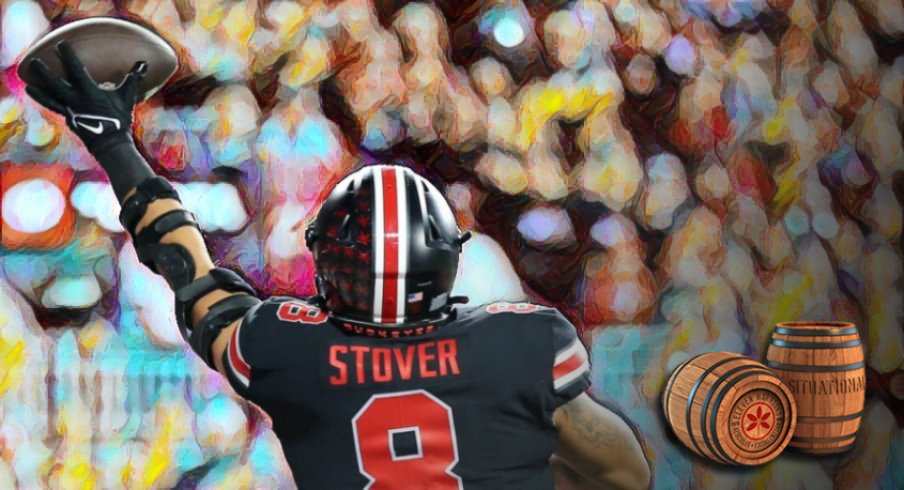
384,365
342,377
380,364
406,364
423,357
359,351
448,356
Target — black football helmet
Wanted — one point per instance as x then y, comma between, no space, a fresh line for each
386,248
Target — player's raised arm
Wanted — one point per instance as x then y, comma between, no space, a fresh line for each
600,446
209,300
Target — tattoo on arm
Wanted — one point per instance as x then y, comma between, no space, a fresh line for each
593,431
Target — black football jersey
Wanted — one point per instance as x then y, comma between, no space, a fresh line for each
467,404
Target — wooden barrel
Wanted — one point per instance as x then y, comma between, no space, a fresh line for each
822,364
730,409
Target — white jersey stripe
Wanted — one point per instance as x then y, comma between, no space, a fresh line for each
567,352
570,364
239,375
235,360
567,378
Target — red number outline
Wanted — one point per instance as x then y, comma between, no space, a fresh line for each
400,394
506,307
297,312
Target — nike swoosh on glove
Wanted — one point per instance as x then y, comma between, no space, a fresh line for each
100,117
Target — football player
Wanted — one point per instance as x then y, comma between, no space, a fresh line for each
382,380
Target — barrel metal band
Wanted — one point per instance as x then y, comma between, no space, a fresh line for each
825,439
829,450
712,390
668,390
690,398
817,345
822,420
814,369
719,398
814,333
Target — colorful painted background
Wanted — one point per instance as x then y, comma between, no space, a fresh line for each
676,175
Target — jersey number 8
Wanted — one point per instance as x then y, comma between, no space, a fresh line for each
418,416
505,307
293,311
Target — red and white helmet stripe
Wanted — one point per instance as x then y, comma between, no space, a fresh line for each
391,244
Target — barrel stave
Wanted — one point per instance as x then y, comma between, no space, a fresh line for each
823,366
702,395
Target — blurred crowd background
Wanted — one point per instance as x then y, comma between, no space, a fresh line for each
675,175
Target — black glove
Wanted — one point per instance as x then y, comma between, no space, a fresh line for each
101,118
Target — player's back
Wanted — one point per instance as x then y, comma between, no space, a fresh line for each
467,404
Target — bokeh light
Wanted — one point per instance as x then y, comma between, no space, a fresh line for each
33,206
22,23
508,31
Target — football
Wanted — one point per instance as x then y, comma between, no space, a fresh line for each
108,47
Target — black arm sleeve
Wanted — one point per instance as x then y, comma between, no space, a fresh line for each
124,166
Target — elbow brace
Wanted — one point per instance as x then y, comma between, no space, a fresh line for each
146,192
175,263
220,315
171,261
